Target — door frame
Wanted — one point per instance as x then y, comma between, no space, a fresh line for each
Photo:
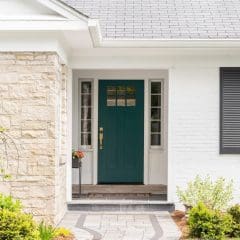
95,125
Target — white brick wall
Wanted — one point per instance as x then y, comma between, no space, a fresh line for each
194,128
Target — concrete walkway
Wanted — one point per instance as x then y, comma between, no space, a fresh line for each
121,226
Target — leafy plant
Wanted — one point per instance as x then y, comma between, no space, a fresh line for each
215,195
46,232
17,226
7,202
2,129
234,211
205,223
62,232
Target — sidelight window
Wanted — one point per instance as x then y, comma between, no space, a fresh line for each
86,113
156,113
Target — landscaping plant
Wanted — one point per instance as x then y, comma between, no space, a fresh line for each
234,211
46,232
7,202
205,223
15,225
215,195
63,233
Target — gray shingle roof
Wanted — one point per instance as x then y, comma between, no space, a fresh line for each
164,19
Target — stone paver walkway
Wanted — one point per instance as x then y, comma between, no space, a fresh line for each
121,226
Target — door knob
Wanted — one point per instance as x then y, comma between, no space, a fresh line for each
101,138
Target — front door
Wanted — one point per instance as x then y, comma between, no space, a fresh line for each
121,131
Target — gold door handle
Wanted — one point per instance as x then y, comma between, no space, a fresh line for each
101,138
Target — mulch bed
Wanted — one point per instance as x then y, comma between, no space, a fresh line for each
65,238
181,221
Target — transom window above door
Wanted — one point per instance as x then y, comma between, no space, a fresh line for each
121,96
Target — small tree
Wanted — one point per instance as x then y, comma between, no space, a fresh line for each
7,145
215,195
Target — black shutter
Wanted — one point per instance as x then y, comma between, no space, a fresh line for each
230,110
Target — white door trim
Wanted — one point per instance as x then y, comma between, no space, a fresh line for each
95,75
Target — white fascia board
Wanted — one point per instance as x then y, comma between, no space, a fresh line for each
30,18
64,10
35,25
170,43
95,32
100,42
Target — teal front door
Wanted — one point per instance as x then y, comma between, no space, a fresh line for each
121,131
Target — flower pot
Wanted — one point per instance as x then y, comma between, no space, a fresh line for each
75,163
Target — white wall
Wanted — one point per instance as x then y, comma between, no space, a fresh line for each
194,124
193,107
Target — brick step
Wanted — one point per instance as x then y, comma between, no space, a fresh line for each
120,205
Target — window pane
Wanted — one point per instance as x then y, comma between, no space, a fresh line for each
156,113
86,87
86,125
131,96
156,100
156,87
155,139
86,139
156,126
86,100
86,112
121,93
111,96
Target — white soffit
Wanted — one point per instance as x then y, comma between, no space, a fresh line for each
42,25
26,9
39,15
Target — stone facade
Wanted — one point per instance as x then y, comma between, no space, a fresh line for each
33,109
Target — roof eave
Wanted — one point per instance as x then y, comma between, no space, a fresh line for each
99,41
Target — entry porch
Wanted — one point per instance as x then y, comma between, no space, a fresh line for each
120,123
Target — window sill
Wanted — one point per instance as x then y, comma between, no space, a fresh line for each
86,149
157,148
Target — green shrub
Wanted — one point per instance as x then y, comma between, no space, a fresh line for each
205,223
235,213
7,202
46,232
215,195
17,226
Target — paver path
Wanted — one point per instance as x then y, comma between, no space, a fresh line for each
121,226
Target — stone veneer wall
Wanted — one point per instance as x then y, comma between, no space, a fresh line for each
33,108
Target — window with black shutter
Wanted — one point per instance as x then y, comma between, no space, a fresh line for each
230,110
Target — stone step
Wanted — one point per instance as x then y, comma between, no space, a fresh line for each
120,189
122,196
120,205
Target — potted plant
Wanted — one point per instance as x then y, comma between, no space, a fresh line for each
77,157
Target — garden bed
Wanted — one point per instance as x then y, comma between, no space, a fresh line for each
180,219
65,238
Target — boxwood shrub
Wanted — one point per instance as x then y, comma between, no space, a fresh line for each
234,211
205,223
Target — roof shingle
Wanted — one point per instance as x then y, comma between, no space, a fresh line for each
164,19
